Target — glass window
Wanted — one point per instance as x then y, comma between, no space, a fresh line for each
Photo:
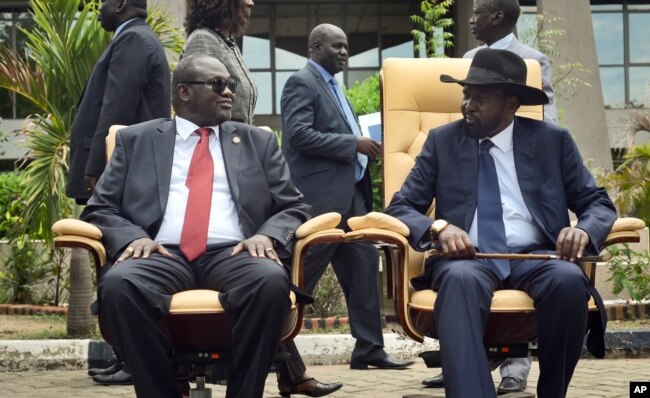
613,81
527,29
639,34
606,7
362,41
288,60
639,7
291,42
357,76
608,34
404,50
264,105
639,86
256,52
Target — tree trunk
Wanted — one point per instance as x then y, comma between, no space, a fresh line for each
81,323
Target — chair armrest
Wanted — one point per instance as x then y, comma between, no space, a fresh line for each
625,230
320,223
377,220
71,226
73,233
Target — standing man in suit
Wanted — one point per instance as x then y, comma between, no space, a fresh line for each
328,159
493,22
505,184
165,232
128,85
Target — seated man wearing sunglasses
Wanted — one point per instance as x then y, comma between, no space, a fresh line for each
196,202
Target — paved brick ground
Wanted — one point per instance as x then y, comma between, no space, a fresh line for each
593,379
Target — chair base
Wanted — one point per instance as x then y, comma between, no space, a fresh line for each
496,353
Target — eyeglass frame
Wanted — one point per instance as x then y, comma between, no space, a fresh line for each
218,85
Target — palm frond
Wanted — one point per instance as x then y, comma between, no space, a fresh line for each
170,36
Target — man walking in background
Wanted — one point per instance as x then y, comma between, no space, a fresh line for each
129,84
328,159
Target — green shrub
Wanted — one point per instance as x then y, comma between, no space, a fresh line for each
630,271
11,203
24,268
365,98
328,297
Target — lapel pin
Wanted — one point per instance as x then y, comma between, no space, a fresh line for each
236,140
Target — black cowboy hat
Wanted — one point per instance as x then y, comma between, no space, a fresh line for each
503,69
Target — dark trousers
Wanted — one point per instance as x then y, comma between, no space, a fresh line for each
135,296
356,269
465,287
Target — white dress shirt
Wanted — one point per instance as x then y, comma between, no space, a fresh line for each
503,43
521,230
224,221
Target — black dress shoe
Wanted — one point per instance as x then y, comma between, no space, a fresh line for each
121,378
310,387
435,381
384,363
511,384
114,368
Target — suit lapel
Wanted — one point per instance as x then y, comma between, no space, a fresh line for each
324,86
231,147
468,165
163,153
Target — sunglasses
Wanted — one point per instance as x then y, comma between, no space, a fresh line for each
218,85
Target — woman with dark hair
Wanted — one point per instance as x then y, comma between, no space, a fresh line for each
212,27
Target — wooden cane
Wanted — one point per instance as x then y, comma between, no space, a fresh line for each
517,256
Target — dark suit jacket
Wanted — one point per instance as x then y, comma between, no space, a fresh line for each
131,195
550,173
129,84
319,144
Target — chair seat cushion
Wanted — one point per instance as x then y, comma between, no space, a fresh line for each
502,301
202,301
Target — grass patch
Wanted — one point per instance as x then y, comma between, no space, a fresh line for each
34,327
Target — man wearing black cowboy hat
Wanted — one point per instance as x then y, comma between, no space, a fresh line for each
504,183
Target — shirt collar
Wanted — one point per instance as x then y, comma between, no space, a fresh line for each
503,140
503,43
185,128
323,72
122,26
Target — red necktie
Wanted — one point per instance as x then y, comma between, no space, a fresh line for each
194,237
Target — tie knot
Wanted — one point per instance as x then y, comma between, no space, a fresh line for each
486,145
334,82
204,132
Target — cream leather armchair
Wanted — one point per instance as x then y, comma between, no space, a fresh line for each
414,101
199,327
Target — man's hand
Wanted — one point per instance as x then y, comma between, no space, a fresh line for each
142,248
571,243
258,246
368,147
89,183
456,243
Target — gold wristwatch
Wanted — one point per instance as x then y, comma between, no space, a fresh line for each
437,227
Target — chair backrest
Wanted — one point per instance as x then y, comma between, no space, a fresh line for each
110,139
414,100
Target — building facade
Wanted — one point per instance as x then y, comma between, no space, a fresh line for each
606,37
